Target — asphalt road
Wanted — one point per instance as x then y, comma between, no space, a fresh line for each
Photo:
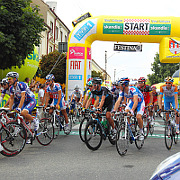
68,158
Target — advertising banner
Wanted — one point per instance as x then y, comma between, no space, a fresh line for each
76,67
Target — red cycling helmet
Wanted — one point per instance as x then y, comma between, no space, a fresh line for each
142,79
153,87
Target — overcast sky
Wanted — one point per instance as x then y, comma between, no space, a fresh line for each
130,64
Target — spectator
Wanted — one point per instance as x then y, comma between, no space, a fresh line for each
41,94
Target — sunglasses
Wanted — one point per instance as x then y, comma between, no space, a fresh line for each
10,78
140,82
168,83
90,86
48,80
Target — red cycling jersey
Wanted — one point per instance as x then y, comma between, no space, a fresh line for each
146,89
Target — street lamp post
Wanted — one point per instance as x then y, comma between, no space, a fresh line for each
105,65
114,74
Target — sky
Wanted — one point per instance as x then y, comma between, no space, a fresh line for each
123,64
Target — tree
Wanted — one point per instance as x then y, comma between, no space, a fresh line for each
97,74
47,63
20,30
161,70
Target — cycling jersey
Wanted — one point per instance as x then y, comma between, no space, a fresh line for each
108,97
29,102
132,92
102,92
169,95
77,93
21,87
5,91
155,95
54,91
146,89
56,88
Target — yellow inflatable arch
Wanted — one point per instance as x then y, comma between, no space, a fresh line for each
163,30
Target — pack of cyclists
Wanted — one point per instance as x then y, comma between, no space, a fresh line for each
134,97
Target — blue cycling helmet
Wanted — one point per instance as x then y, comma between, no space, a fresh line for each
90,83
50,77
124,81
169,79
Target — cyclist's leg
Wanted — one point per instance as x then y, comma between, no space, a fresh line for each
166,108
140,111
63,109
177,116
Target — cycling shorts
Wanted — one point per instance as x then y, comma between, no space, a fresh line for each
108,103
140,107
61,104
72,104
28,105
167,104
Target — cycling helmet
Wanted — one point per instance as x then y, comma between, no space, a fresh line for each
4,81
76,87
89,83
97,80
169,79
153,87
50,77
12,74
124,81
90,79
142,79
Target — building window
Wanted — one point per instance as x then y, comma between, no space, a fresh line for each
50,49
51,25
61,35
57,32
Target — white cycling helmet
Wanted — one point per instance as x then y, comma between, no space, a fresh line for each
12,74
76,87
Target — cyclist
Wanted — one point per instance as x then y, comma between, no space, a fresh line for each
22,99
5,90
106,100
58,97
155,98
136,101
148,96
170,92
76,97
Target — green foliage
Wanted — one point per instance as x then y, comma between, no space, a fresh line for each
20,28
161,70
97,74
47,63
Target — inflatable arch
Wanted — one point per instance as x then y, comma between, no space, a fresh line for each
163,30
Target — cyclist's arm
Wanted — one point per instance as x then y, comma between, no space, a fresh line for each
160,101
22,99
135,100
7,103
85,101
11,101
176,100
72,97
47,99
151,97
59,98
102,102
117,103
96,102
80,98
88,103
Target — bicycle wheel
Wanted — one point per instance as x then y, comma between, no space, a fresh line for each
81,127
93,135
175,138
45,133
138,142
13,139
122,139
168,136
111,137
